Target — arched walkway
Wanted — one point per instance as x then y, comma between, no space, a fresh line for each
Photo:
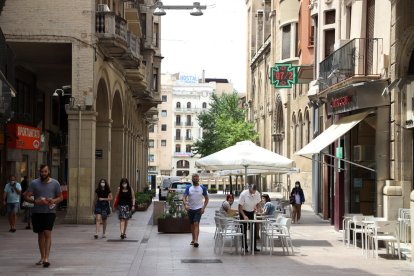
117,141
103,133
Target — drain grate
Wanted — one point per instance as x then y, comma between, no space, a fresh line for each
201,261
118,240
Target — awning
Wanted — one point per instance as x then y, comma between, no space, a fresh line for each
332,133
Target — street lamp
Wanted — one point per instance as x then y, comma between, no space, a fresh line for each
195,8
62,91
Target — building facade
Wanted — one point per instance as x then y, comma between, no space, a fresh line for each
281,115
184,96
87,76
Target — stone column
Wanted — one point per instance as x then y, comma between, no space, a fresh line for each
117,160
81,164
103,140
382,154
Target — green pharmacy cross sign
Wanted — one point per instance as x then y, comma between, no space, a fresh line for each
283,75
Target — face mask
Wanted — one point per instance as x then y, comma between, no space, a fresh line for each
102,184
297,186
125,185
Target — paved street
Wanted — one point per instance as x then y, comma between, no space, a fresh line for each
318,251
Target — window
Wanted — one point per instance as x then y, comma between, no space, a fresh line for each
144,25
164,98
163,113
178,120
286,41
188,134
177,148
155,79
163,143
308,127
188,105
204,105
163,127
165,172
178,134
294,131
152,168
188,123
183,164
188,148
151,143
155,34
329,17
311,41
329,42
300,126
151,157
151,128
178,105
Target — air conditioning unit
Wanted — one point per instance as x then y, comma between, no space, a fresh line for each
364,153
103,8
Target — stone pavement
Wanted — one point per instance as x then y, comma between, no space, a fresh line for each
318,251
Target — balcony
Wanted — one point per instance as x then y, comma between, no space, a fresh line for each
116,40
177,124
357,60
188,138
188,124
187,110
178,138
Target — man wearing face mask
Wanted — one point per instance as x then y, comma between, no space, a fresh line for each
11,198
102,209
194,206
299,199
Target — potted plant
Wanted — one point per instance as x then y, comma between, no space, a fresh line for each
174,219
142,201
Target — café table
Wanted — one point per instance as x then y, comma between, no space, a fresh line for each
252,222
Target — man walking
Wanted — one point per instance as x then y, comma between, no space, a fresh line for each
195,206
11,199
47,194
249,201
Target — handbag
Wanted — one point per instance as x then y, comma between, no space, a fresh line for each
116,200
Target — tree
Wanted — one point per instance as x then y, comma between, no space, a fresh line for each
223,125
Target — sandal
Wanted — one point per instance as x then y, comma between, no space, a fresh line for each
39,262
192,243
195,244
95,236
46,264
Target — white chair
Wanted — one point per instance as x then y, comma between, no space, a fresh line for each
346,227
279,230
386,231
357,227
228,229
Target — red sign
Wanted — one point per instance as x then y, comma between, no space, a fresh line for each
341,101
23,137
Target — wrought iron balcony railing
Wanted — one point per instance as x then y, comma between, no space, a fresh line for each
358,58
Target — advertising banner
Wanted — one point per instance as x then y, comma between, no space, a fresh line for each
23,137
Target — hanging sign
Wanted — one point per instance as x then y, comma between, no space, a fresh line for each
283,75
23,137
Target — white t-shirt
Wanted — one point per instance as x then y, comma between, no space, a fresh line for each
195,195
248,200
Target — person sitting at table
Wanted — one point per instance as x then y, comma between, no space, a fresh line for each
226,206
249,202
268,208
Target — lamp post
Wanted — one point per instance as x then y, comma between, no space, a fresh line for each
195,8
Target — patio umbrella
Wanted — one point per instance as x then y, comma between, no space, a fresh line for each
247,155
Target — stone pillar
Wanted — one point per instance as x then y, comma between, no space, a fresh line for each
382,154
117,160
412,222
103,140
125,153
81,163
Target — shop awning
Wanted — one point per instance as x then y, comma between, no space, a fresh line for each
332,133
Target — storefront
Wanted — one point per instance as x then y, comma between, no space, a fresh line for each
23,145
355,150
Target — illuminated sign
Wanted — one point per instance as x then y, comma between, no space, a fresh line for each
283,75
341,101
23,137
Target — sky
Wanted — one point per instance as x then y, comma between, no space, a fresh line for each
215,41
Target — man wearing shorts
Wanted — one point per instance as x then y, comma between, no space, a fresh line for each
47,194
195,206
11,198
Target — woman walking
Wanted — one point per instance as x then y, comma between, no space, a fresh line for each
102,209
125,201
298,198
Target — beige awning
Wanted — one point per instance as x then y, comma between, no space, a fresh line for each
332,133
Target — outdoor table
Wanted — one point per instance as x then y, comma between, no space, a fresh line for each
252,222
366,223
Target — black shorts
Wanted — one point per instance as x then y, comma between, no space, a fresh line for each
194,215
43,221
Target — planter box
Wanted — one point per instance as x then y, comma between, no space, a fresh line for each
142,206
174,225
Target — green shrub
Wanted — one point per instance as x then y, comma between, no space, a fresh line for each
142,197
212,191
